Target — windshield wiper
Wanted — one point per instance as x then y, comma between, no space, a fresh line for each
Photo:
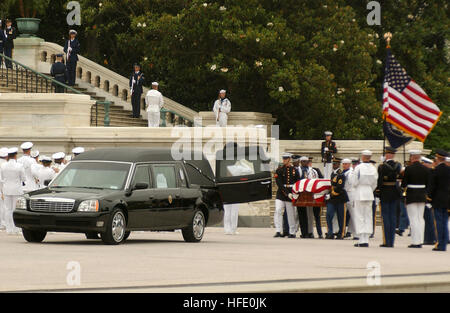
99,188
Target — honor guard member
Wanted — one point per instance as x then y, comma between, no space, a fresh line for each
389,193
136,89
26,160
72,49
222,106
315,173
46,173
154,101
13,177
430,229
327,151
9,34
439,194
3,159
336,201
364,180
77,151
59,165
295,162
302,212
2,42
35,169
285,177
59,72
415,183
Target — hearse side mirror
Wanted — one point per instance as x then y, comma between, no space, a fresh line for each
140,186
47,182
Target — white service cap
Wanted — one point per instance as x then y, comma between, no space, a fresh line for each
366,152
346,161
3,152
46,159
59,155
155,84
304,158
415,152
328,133
78,150
447,159
286,155
223,91
427,160
26,145
34,153
13,150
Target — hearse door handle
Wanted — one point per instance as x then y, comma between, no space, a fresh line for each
265,182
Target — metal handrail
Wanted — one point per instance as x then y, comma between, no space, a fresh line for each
50,84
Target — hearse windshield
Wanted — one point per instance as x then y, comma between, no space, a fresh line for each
93,175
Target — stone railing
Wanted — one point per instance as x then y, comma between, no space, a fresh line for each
40,55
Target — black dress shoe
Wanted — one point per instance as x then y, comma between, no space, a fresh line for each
429,243
437,249
291,236
284,235
311,236
399,232
339,237
320,237
415,246
355,238
362,245
277,235
371,236
348,235
329,236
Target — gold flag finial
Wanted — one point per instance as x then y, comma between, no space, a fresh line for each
388,37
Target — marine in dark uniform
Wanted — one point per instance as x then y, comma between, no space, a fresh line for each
9,34
317,211
439,190
59,72
302,213
415,183
2,42
328,150
136,85
389,192
295,162
72,49
337,200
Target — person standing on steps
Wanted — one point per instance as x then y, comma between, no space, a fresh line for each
9,34
59,72
136,85
154,101
72,49
222,107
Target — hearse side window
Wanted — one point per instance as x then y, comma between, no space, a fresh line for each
141,175
164,177
182,176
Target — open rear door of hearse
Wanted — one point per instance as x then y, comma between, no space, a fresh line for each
243,174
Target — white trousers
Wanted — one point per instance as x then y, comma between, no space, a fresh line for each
362,212
278,216
351,222
417,222
2,212
223,120
10,206
310,214
153,119
327,170
230,218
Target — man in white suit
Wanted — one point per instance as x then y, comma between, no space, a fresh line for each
154,101
27,161
3,159
222,107
12,178
364,181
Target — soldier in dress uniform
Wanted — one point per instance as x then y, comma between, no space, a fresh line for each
302,212
136,89
3,159
59,72
59,165
77,151
9,34
154,101
285,177
295,162
364,180
72,49
35,169
327,151
27,161
439,191
222,106
389,192
12,179
430,229
415,183
314,173
336,201
45,173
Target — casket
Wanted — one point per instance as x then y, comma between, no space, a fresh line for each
311,192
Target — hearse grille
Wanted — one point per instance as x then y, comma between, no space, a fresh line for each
52,205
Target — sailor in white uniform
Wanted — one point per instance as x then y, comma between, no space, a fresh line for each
154,101
45,173
222,107
59,165
3,159
26,160
12,178
364,181
349,189
34,170
77,151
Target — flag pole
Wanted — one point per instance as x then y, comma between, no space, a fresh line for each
387,37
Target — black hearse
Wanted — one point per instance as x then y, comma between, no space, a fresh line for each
111,192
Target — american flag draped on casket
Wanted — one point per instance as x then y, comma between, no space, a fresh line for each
311,192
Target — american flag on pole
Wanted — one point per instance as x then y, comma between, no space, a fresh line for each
405,104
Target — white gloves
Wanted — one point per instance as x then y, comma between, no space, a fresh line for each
327,197
290,196
326,149
70,49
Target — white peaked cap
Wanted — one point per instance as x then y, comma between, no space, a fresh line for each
223,91
34,153
346,161
304,158
366,152
78,150
3,152
427,160
447,159
46,159
287,155
415,152
26,145
155,84
328,133
59,155
12,150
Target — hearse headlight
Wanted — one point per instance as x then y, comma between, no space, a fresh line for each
88,206
21,203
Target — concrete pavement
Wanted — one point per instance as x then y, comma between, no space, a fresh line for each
252,261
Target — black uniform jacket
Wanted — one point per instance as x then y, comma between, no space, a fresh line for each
416,174
440,186
388,172
327,157
2,40
338,193
58,71
8,42
137,88
75,45
285,175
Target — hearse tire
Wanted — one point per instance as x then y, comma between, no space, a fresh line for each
92,236
115,228
35,236
196,229
127,234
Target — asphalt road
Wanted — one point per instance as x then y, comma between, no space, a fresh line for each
252,261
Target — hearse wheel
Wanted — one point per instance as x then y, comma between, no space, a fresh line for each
194,232
115,228
33,235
